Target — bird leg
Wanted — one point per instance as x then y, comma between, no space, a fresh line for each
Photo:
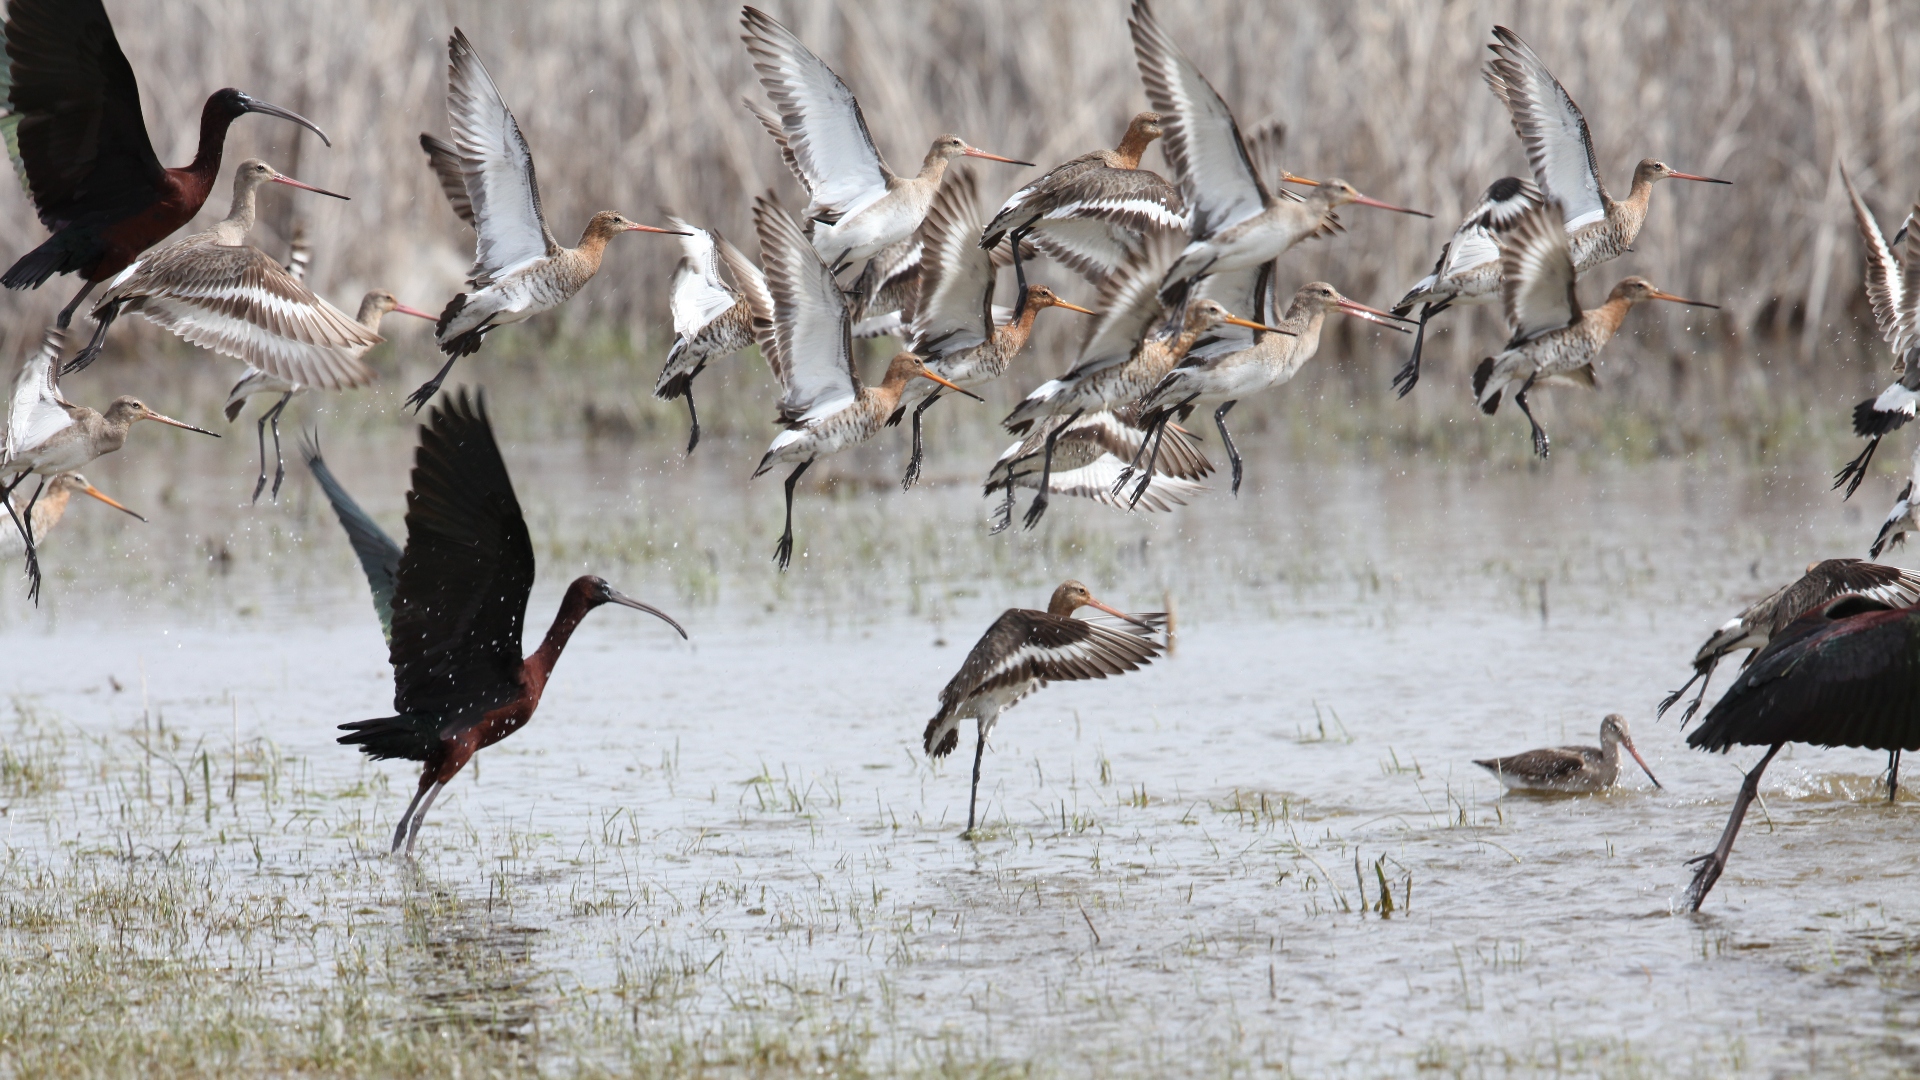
1038,509
260,431
1704,676
1233,452
104,318
1714,862
400,830
1539,433
913,463
33,544
693,439
26,535
783,551
1893,775
1855,471
1153,459
1019,271
413,827
979,750
66,313
1410,374
419,398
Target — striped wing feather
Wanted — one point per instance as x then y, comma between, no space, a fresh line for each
1548,764
504,195
825,134
1551,127
1202,142
444,160
36,411
956,277
811,350
1536,276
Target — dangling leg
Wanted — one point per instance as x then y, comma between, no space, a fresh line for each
1539,433
279,462
419,398
973,796
94,344
413,827
400,830
1855,471
1153,459
693,439
1410,374
783,551
1713,863
1039,507
66,313
33,544
1893,775
1004,518
260,432
1019,270
1226,437
32,566
913,465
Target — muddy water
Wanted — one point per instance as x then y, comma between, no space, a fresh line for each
1183,871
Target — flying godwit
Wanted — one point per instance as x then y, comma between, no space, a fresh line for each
50,508
1088,458
1570,769
1768,616
1468,270
1900,520
857,205
70,108
459,605
1893,287
1025,650
519,269
823,408
1554,342
712,318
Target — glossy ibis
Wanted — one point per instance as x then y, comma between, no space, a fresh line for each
70,117
519,269
1025,650
1570,769
459,604
1089,456
1468,270
712,317
1893,275
51,507
1842,675
1823,582
1553,342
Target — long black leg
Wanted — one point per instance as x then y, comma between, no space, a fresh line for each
1893,775
693,438
1039,507
400,830
1540,445
279,461
260,431
1855,471
913,463
66,313
1153,459
26,534
1716,861
783,551
1233,452
979,750
1410,374
33,544
94,344
1019,270
420,815
419,398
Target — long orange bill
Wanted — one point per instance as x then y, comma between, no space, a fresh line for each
649,228
180,424
1373,315
1074,307
1251,325
1368,200
628,601
924,373
1092,603
102,496
1657,295
1628,743
1702,179
291,182
973,151
1292,179
402,309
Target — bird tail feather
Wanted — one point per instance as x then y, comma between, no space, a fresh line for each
389,737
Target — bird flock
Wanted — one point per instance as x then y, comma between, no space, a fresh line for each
1190,310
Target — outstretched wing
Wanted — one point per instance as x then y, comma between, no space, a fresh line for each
1024,645
37,412
1479,237
1551,128
810,349
379,556
825,131
1202,142
699,294
1825,581
1536,276
1886,277
497,167
1129,301
444,160
956,276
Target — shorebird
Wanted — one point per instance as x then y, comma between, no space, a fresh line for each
220,292
1235,222
857,205
1900,520
50,508
1554,342
1841,675
1468,269
823,407
1893,287
459,606
1573,769
519,269
70,108
955,332
1560,151
1089,456
1235,363
712,318
379,555
1766,617
47,435
1086,213
1025,650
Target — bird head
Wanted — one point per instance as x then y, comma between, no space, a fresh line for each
1071,596
1204,315
1319,295
1146,127
74,484
253,172
1614,730
1335,192
127,411
229,105
948,147
1039,296
379,302
595,591
1649,171
906,365
609,223
1635,289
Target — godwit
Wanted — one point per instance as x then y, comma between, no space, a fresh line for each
1573,769
1893,287
823,407
219,292
48,435
712,319
1088,458
857,205
1236,223
379,555
70,111
50,507
954,329
1025,650
1560,151
519,269
1841,675
1900,520
1125,355
1086,213
459,608
1468,270
1767,617
1554,343
1236,363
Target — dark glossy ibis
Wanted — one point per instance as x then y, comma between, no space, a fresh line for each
70,116
459,606
1846,674
1025,650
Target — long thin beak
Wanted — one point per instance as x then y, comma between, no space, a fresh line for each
1292,179
628,601
1368,200
291,182
1373,315
287,114
976,152
1251,325
649,228
1682,300
402,309
1690,176
180,424
102,496
1628,743
924,373
1074,307
1092,603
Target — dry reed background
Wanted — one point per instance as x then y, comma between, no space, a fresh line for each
636,105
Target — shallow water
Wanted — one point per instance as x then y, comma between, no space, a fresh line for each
737,840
